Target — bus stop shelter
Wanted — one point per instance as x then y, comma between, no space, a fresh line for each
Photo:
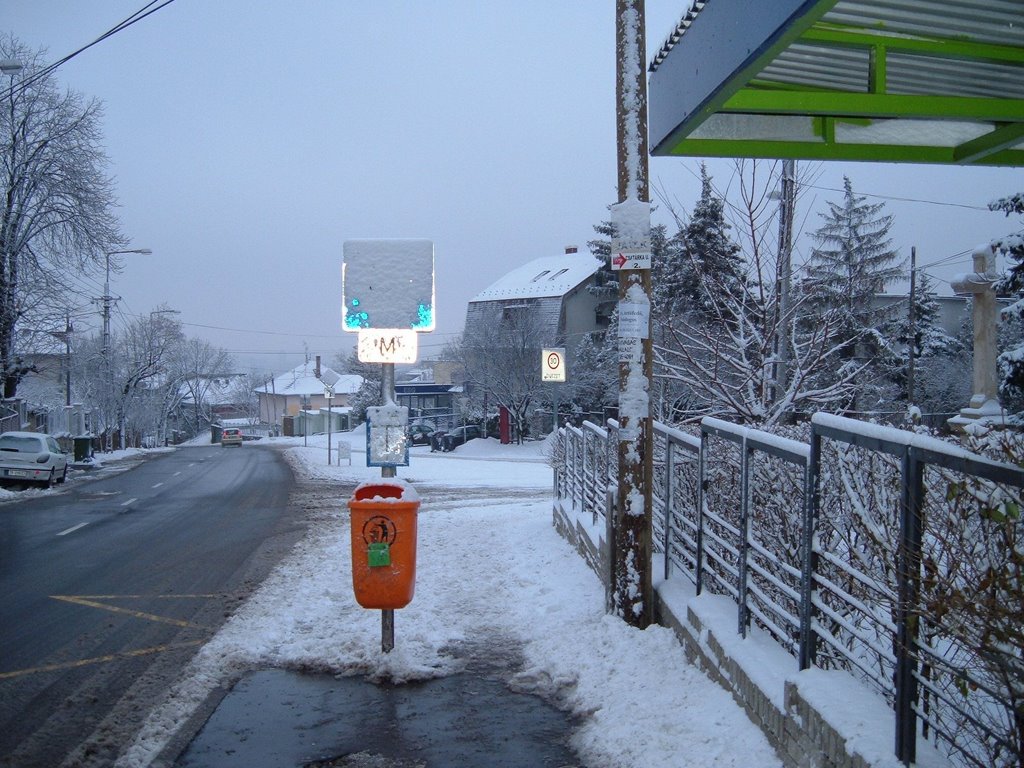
919,81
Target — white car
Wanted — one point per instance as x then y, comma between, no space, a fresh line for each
231,436
31,457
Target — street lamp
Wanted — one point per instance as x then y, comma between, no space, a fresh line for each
107,302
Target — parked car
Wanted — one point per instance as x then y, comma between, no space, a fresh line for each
419,434
437,440
231,436
459,436
31,457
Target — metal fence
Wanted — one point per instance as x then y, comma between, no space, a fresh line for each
853,550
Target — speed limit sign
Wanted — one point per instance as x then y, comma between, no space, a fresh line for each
552,364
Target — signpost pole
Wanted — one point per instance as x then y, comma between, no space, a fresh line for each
387,615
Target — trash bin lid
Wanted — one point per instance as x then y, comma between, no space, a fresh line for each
385,489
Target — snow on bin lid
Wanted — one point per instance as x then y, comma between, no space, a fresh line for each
388,490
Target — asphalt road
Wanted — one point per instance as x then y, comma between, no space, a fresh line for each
109,585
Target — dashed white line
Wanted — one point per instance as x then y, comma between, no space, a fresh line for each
130,501
72,529
158,485
176,474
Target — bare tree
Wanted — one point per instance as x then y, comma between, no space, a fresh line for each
500,351
142,356
198,364
56,202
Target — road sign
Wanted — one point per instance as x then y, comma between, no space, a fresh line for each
387,284
631,259
387,346
552,364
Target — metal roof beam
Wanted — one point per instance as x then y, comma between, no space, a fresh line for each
1001,138
874,105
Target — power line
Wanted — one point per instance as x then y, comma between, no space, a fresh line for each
902,199
136,17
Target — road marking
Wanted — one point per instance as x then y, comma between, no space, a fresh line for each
154,597
136,614
72,529
158,485
100,659
130,501
176,474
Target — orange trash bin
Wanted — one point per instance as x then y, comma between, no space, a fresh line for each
384,543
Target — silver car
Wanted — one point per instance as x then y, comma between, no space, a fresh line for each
31,457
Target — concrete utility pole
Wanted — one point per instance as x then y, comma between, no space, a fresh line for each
631,590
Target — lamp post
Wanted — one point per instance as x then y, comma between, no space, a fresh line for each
107,303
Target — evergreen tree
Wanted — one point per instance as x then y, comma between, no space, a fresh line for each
854,260
1011,360
714,268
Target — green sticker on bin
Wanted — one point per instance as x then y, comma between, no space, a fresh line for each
379,554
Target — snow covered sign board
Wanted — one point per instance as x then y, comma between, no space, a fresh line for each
387,441
387,284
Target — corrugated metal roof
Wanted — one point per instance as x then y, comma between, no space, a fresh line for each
953,62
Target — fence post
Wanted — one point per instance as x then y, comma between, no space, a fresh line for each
743,545
701,487
908,574
809,559
670,454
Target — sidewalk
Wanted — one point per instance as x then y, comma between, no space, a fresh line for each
506,619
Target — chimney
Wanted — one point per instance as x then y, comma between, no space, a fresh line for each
317,369
570,249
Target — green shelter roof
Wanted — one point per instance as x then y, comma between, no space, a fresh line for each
929,81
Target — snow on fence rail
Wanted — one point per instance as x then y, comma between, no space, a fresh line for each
853,550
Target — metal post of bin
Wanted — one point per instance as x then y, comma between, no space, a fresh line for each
387,615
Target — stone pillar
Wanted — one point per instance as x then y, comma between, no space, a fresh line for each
984,406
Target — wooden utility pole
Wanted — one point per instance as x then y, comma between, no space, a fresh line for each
631,590
784,278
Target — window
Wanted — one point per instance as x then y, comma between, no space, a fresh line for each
538,277
559,272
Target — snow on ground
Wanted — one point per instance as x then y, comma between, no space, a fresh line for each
491,572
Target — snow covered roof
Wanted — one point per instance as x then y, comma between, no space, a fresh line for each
301,380
543,277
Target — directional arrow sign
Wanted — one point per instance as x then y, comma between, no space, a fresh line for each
631,260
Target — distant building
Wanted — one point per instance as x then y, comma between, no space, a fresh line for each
555,288
428,391
299,391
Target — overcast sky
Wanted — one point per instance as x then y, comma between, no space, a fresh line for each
250,139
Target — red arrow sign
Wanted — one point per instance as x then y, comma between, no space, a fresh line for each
618,261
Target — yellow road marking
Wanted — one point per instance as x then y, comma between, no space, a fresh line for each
99,659
140,597
114,609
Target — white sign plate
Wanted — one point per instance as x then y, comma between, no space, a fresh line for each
631,259
387,346
552,364
631,350
634,320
